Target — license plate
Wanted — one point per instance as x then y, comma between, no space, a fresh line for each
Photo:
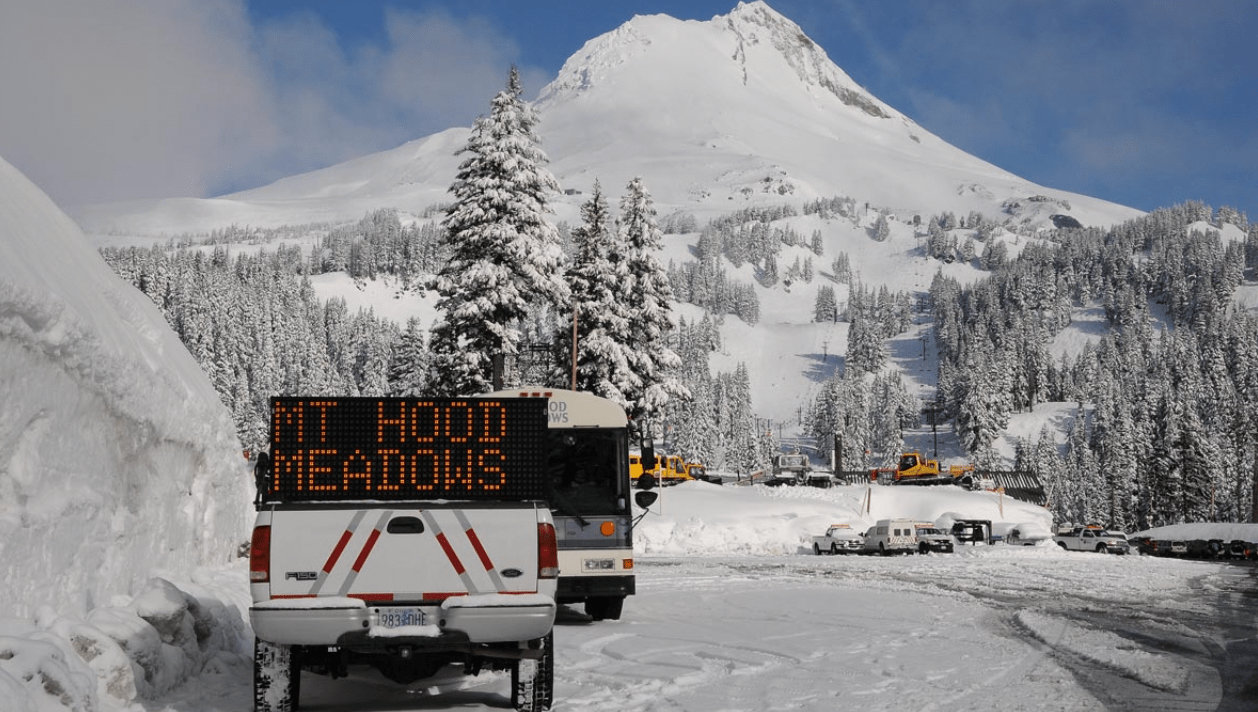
399,617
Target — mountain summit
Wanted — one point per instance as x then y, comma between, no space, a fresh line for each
746,107
713,115
758,36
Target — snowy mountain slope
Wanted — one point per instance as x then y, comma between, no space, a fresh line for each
740,109
737,111
116,455
746,108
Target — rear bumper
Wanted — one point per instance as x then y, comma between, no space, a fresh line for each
573,589
445,627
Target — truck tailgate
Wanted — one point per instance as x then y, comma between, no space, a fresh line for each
403,551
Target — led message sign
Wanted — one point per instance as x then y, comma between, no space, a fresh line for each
407,448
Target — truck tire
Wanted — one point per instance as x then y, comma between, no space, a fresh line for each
276,677
1062,544
882,550
816,549
533,681
1100,549
834,549
605,607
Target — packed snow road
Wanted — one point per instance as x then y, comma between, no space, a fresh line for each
988,628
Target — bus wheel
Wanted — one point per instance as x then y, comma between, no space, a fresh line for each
605,607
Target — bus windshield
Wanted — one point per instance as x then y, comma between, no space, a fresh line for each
585,471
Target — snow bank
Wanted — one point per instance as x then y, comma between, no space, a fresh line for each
702,519
116,459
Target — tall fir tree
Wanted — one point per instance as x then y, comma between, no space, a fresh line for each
864,347
409,366
604,349
825,308
647,295
505,257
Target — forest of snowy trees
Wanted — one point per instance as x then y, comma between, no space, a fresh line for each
1167,429
254,322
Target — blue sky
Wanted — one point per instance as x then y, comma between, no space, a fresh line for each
1142,102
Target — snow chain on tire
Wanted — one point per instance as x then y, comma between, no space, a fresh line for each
276,677
533,681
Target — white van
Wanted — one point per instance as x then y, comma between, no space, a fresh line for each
889,536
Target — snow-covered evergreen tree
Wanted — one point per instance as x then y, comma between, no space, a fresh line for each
864,347
409,366
505,254
605,351
695,431
882,228
647,295
824,308
744,447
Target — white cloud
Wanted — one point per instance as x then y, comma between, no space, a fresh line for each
108,101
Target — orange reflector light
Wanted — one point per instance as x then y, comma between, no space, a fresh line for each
628,563
607,528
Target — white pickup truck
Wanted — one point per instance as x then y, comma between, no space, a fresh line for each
838,539
1091,538
405,535
931,539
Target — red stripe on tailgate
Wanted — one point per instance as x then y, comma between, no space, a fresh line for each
453,557
369,597
480,550
336,553
362,556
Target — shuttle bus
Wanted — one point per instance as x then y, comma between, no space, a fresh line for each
588,459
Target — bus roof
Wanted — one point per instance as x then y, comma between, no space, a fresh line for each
575,409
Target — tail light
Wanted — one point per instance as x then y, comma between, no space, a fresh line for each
260,555
547,552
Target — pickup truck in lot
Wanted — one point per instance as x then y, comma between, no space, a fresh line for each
405,535
931,539
1091,538
838,539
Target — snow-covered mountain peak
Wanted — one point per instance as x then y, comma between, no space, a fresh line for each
750,45
713,115
756,22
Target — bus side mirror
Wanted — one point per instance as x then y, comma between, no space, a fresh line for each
645,498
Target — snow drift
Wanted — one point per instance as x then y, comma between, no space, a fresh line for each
117,459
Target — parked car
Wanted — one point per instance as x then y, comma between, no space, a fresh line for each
1091,538
931,539
1204,548
1237,549
838,539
